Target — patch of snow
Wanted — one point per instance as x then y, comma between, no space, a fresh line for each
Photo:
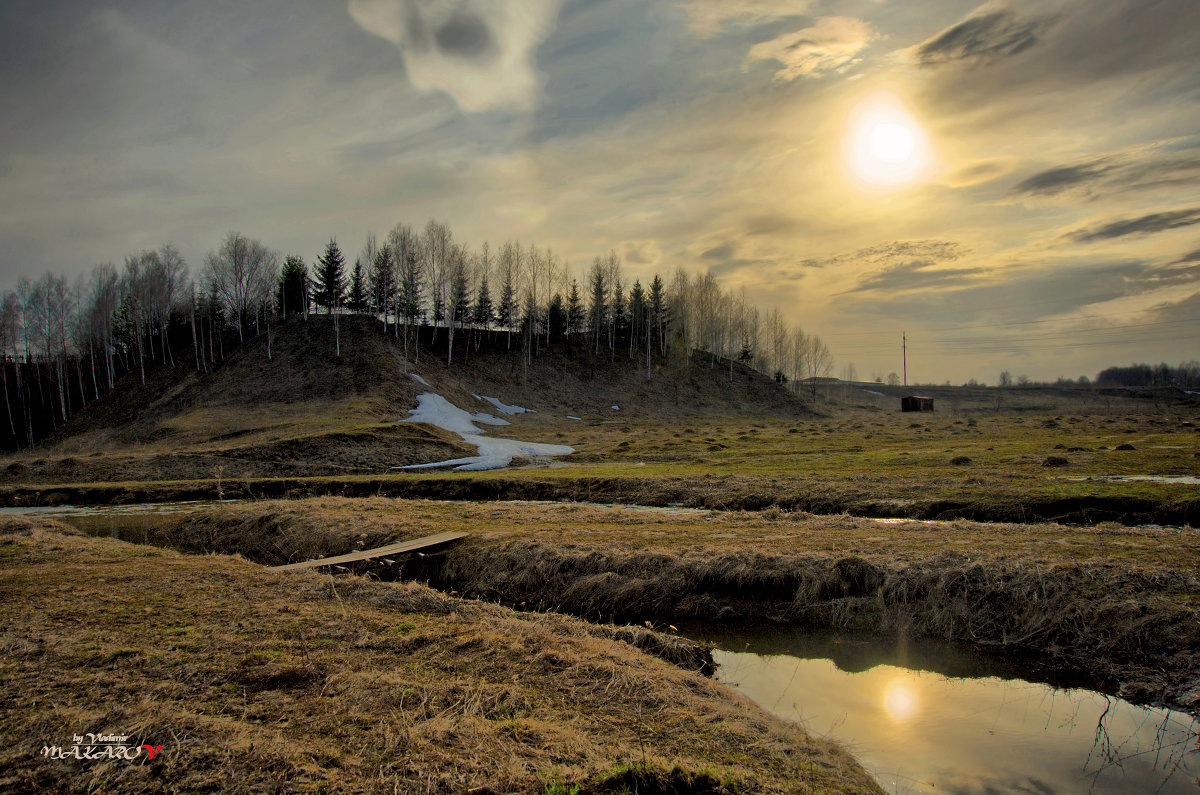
616,408
504,408
434,409
573,418
419,379
872,392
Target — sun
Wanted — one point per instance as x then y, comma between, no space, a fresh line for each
886,147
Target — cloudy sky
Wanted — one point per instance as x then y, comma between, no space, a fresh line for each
1016,185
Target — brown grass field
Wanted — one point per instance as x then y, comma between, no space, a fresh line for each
254,681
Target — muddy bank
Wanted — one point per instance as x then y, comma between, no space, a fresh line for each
1115,607
727,492
248,680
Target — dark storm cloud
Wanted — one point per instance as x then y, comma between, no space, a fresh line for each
1192,257
987,37
1141,225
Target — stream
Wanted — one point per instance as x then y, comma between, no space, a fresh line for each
931,717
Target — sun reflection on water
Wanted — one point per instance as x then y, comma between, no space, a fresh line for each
900,700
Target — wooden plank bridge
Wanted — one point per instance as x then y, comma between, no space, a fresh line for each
398,548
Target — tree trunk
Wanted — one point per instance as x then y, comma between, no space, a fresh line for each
7,404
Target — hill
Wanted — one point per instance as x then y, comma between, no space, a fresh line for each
289,405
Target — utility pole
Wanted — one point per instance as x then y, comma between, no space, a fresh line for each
904,354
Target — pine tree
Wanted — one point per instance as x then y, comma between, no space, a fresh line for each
575,314
383,283
506,312
293,286
620,318
637,316
556,318
356,301
658,314
329,280
481,315
598,312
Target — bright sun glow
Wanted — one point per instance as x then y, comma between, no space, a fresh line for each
886,146
899,701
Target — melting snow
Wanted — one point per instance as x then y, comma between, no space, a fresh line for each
434,409
504,408
419,379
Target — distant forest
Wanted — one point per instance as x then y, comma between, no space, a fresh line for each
1185,376
66,344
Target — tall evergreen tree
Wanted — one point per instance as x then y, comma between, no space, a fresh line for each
637,316
481,315
556,318
598,311
383,282
658,315
576,317
293,286
506,310
356,300
329,279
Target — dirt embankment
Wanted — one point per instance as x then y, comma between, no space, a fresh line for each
1117,607
248,680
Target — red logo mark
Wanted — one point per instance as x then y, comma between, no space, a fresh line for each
151,750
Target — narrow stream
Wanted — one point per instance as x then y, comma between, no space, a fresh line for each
935,718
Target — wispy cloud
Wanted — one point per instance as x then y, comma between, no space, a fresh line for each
1141,225
831,45
983,37
709,17
480,52
1146,169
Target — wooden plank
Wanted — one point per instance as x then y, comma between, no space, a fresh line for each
398,548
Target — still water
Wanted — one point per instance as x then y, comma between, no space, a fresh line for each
937,718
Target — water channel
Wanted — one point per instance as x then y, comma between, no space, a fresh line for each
935,718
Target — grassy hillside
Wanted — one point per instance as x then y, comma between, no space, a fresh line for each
304,410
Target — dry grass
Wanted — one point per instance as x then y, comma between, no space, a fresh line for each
1117,604
255,681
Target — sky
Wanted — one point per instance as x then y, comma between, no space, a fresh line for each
1010,185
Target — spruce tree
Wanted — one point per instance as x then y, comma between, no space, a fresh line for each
383,282
329,280
357,299
576,317
293,285
481,315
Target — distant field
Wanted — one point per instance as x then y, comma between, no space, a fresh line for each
1011,465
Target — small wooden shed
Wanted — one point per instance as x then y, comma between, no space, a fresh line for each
916,403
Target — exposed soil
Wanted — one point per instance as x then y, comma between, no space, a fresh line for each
249,680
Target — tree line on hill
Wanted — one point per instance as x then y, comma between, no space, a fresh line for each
65,343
